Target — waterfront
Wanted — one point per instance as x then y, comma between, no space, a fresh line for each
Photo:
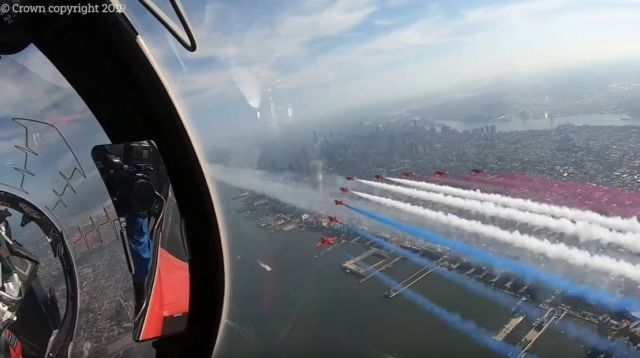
519,124
309,306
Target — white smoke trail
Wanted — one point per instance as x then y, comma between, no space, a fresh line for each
275,186
282,187
572,255
584,230
615,223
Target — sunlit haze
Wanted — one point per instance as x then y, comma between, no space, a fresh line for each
320,58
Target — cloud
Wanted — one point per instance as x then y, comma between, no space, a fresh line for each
384,22
327,56
514,11
267,42
438,53
36,62
332,20
242,52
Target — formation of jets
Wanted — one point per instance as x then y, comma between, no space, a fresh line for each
329,240
440,173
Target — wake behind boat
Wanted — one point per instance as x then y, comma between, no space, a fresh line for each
265,266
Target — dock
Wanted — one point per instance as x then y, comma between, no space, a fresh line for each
353,265
510,326
366,267
539,326
411,280
374,271
360,241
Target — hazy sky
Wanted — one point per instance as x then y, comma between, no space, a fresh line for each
34,90
321,57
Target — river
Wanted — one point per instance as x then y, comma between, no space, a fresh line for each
310,307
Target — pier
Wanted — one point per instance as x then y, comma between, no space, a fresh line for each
510,326
366,267
374,271
411,280
353,265
539,326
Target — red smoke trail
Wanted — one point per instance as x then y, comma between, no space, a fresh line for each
599,198
60,121
491,183
492,179
594,190
460,182
602,199
517,188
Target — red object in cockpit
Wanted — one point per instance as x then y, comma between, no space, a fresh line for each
169,298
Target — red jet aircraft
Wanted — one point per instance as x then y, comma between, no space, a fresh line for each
333,219
379,177
326,240
441,173
408,174
345,190
350,178
477,171
339,202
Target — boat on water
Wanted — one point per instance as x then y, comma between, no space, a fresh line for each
265,266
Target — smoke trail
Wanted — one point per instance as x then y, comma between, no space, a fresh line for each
281,186
460,182
615,223
618,195
585,231
577,195
470,328
560,251
462,280
503,299
529,273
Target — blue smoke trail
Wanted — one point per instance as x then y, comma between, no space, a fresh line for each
470,328
572,330
569,287
500,297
